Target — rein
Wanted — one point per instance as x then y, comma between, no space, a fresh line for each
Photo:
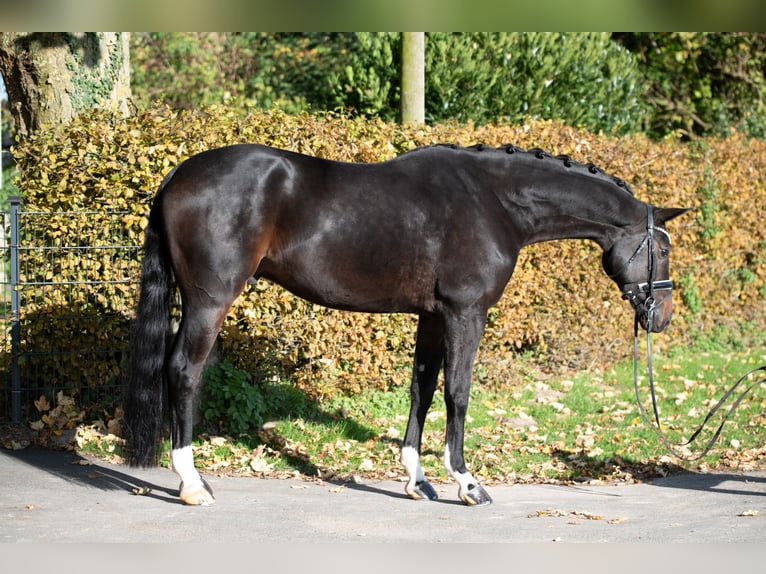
648,305
670,446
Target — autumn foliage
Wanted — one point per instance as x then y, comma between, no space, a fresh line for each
559,307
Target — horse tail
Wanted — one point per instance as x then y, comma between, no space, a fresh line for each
144,403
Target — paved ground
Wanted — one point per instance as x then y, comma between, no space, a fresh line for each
53,497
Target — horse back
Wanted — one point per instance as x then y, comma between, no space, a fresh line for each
381,237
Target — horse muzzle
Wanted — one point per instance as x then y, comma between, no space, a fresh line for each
652,303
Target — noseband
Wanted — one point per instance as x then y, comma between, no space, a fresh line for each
632,291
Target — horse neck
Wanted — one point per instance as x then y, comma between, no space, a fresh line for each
576,207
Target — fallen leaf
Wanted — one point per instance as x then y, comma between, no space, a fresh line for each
618,520
42,404
338,489
749,513
556,513
141,490
259,464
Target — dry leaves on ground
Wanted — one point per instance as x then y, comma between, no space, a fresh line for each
574,516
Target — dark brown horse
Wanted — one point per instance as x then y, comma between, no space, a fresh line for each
435,232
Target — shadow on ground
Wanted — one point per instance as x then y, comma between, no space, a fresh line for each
78,470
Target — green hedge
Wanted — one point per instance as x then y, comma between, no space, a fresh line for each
559,307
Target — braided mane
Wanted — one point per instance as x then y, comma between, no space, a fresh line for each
567,161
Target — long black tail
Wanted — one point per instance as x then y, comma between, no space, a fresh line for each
143,405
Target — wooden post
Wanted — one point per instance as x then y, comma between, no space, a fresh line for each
413,77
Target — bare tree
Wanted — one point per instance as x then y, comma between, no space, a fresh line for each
51,77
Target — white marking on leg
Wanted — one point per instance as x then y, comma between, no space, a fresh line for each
182,463
465,480
447,464
194,490
411,461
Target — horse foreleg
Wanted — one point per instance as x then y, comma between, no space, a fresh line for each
194,341
429,355
462,342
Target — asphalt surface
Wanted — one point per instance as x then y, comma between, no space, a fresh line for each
49,496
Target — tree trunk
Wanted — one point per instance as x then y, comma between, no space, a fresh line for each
413,77
52,77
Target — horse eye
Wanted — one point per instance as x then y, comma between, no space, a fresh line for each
665,251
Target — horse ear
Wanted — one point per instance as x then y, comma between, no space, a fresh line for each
664,214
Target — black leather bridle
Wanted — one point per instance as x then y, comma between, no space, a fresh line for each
633,291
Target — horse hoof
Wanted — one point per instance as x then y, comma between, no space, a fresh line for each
475,495
197,494
422,491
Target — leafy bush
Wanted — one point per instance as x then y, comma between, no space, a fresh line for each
702,83
289,71
669,83
558,306
582,79
369,83
230,399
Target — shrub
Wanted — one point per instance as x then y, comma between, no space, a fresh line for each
582,79
701,83
559,306
230,400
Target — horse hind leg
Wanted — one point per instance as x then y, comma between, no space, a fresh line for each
429,355
195,339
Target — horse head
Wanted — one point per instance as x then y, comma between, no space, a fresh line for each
638,262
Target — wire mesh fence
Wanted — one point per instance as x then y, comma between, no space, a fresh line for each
68,289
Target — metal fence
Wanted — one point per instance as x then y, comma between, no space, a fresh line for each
68,283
